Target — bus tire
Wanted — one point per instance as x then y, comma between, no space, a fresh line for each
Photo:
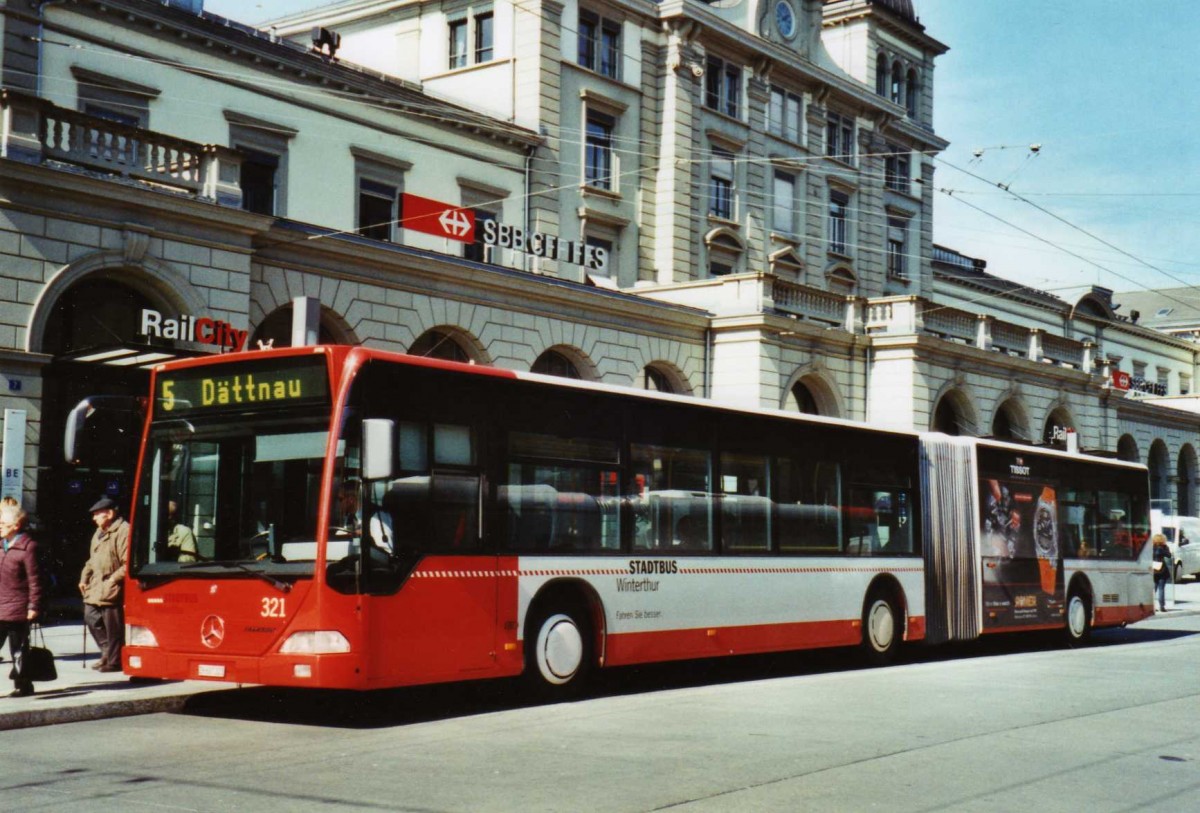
882,627
558,652
1079,617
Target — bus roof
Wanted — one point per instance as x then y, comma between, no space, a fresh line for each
353,356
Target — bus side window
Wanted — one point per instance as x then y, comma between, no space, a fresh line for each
434,504
893,509
668,484
809,507
745,507
861,523
560,494
1076,523
1116,532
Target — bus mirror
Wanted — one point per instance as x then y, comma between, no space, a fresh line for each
76,419
378,442
103,430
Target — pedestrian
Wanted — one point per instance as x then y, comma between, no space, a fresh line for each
1163,566
102,584
20,591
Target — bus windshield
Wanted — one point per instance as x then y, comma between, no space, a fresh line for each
227,492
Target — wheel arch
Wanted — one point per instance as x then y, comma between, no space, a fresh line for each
1080,585
1083,585
575,593
888,584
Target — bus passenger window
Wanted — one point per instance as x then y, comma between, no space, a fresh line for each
435,508
671,500
878,522
561,494
809,505
745,506
862,528
414,443
1116,532
1076,523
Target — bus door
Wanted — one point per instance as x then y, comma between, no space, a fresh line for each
434,587
1123,535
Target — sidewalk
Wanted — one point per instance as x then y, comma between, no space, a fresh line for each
82,693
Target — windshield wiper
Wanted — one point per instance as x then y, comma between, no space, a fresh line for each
278,584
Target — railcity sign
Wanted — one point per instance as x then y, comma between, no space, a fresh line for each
188,328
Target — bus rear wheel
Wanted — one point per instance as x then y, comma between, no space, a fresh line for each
882,628
1079,618
557,653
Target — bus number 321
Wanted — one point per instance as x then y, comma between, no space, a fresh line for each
273,608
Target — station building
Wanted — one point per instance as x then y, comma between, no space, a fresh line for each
729,201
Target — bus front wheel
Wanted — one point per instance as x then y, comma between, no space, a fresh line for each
1079,618
557,653
882,628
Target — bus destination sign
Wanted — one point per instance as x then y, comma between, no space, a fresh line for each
254,385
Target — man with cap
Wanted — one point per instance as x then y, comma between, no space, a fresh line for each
102,584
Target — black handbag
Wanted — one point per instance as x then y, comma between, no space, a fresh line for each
37,662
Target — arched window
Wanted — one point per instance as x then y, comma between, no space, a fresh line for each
1009,422
553,362
1185,486
802,400
439,344
897,83
656,380
881,74
725,251
1054,433
1159,465
277,329
95,313
912,94
946,418
1002,426
1127,449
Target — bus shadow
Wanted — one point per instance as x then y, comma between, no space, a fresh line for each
386,708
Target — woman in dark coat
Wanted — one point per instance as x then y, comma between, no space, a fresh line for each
20,590
1163,562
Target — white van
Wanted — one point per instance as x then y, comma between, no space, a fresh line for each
1183,537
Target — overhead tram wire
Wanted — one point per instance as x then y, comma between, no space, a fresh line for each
1071,225
1048,242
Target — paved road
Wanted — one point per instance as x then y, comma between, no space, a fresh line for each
991,726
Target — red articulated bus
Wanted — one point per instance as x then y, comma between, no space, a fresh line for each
348,518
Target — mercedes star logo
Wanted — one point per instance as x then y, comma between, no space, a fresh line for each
212,631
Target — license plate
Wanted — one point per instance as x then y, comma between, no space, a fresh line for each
210,670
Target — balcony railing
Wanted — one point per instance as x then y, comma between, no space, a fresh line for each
36,131
740,294
806,302
915,315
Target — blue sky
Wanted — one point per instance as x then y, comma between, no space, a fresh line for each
1105,87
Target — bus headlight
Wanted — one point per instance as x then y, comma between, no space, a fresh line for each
315,642
139,636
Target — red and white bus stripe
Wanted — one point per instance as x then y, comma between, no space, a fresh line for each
683,571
